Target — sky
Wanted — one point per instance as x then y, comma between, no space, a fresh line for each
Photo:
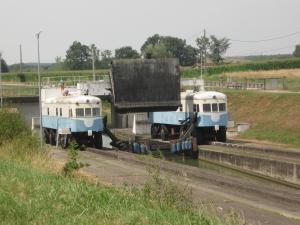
115,23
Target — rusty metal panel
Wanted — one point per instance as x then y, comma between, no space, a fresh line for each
145,85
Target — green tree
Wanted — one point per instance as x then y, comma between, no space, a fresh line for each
167,46
78,57
217,48
296,53
106,57
4,67
189,56
153,40
156,51
126,52
203,44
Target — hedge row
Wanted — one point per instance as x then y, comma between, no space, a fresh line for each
269,65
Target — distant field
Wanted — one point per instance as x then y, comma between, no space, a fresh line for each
288,73
257,66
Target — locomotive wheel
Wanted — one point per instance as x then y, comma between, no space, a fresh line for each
98,140
221,135
154,131
64,141
162,134
200,137
46,136
52,137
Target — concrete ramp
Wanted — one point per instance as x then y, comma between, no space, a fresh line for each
145,85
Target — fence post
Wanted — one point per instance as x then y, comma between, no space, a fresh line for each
283,83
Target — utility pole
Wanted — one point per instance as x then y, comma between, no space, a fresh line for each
204,35
39,78
93,58
1,104
201,65
21,60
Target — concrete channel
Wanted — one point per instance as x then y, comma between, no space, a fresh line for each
280,164
268,161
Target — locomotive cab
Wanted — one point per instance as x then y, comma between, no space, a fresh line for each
211,109
74,117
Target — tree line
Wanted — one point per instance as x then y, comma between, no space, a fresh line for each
79,56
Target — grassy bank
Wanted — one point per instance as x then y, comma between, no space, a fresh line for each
273,116
33,190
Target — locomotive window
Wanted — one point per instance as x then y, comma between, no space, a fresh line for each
222,107
60,111
48,111
88,112
96,112
56,111
180,108
214,107
195,108
198,108
79,112
206,108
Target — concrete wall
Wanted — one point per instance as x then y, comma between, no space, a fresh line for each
277,169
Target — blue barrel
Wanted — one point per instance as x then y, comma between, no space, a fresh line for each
178,147
190,145
186,147
142,148
173,147
136,147
182,145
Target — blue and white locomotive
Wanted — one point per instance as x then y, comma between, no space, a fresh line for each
72,116
210,110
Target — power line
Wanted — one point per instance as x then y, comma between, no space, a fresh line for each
266,40
270,50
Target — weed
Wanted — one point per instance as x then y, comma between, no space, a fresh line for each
72,164
163,190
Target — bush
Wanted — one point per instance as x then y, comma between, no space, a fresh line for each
22,77
12,124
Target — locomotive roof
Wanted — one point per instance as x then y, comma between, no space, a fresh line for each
202,95
74,99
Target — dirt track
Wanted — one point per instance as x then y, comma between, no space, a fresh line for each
259,201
